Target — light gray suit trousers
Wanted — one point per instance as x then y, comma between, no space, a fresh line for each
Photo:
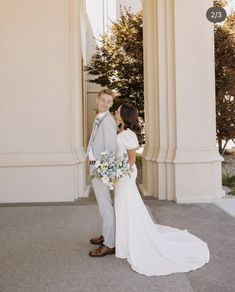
105,139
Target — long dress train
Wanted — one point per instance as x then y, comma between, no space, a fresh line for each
151,249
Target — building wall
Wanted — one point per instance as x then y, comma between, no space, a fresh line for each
41,150
43,101
92,88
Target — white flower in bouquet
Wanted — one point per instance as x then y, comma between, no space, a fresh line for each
105,179
111,167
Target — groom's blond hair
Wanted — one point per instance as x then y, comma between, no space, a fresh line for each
106,91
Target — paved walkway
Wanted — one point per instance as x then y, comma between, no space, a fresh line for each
227,204
44,248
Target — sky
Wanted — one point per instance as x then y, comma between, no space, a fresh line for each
95,13
97,8
230,7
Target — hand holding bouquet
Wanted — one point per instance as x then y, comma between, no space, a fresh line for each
111,167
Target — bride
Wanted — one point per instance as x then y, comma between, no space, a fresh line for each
151,249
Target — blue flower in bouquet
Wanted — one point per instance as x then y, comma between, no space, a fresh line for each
111,167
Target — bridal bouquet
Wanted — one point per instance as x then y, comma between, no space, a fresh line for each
111,167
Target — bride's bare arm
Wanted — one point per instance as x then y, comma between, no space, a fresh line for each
131,156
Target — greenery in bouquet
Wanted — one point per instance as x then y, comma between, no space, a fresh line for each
111,167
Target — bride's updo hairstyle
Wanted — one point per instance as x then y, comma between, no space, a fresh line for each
129,114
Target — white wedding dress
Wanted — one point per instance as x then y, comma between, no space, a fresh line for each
151,249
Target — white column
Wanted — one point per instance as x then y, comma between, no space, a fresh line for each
150,65
197,161
171,102
77,51
181,161
158,175
161,115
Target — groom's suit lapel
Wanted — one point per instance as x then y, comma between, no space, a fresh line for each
100,121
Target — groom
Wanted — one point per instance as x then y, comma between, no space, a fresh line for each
103,138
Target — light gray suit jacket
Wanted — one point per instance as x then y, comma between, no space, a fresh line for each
105,138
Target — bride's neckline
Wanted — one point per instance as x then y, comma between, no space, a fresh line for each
123,131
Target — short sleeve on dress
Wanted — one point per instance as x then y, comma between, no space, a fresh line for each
130,140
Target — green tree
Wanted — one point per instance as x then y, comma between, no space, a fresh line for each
220,3
230,21
118,62
225,81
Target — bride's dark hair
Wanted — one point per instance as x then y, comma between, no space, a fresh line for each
129,114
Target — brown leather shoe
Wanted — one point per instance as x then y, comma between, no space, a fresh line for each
98,240
103,250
